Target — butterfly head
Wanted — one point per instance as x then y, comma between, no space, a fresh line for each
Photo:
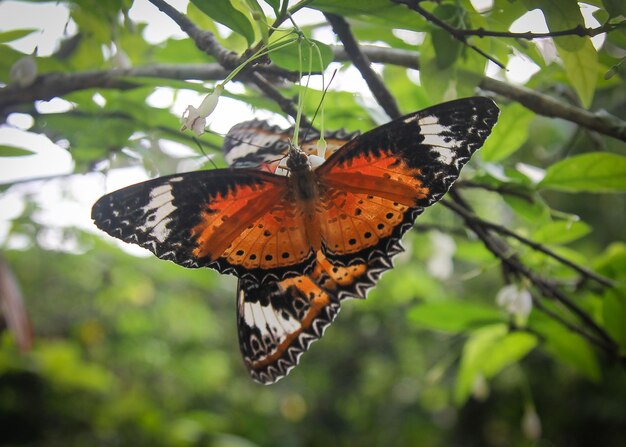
298,160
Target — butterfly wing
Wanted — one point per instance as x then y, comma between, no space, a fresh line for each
278,321
255,143
236,221
407,168
378,183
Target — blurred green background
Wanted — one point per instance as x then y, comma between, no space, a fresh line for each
134,351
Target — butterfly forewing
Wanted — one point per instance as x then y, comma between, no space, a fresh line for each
231,220
385,177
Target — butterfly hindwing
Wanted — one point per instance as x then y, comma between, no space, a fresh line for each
277,322
223,219
254,143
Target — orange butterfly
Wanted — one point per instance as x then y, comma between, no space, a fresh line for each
302,241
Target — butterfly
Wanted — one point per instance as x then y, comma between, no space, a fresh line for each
301,232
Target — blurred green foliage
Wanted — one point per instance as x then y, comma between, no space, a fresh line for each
138,351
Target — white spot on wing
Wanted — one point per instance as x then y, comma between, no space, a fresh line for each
435,135
445,155
268,321
249,145
157,210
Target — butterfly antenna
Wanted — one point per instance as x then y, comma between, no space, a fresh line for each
199,144
320,104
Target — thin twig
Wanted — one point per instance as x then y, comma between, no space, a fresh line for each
454,32
606,282
206,42
502,251
362,63
540,103
578,30
501,189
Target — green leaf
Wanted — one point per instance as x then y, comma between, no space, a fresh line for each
453,316
14,34
579,57
582,68
568,347
561,232
275,4
509,133
447,48
487,352
224,12
614,313
534,211
596,172
377,11
14,151
288,57
439,84
612,262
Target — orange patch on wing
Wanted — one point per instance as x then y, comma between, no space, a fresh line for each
227,215
339,276
351,222
319,301
278,238
385,176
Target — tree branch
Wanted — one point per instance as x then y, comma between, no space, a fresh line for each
50,85
585,272
539,103
462,34
502,251
362,63
206,42
454,32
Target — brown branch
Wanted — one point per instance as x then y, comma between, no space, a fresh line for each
539,103
454,32
606,282
286,105
502,251
206,42
578,30
500,189
460,33
50,85
362,63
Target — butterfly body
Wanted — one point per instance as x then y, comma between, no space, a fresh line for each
301,233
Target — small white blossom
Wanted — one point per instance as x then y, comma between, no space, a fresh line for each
531,424
440,264
515,300
24,71
195,119
321,147
480,388
121,60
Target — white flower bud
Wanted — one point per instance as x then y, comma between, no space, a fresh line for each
531,424
195,119
440,264
515,300
24,71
